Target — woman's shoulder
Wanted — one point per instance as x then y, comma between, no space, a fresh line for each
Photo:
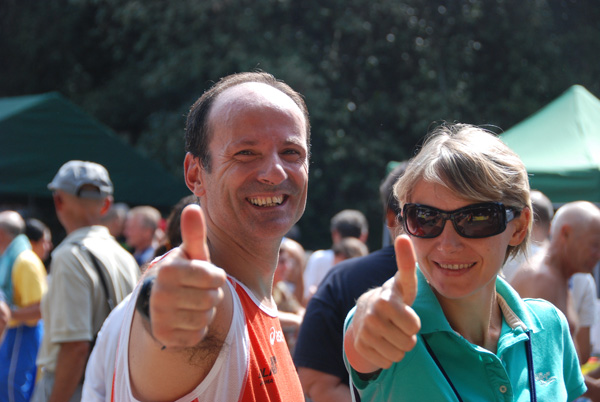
546,313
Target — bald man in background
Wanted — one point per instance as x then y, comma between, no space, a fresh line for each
574,247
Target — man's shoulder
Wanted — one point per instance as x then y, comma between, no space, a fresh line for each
539,282
318,256
64,251
380,263
351,278
543,276
28,258
533,270
29,268
99,241
105,248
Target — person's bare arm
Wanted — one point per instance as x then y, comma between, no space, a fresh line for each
384,326
593,388
584,346
290,320
323,387
4,317
595,373
70,366
185,311
28,313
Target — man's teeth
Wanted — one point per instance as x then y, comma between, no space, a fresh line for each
455,266
266,201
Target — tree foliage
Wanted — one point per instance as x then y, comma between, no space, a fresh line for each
375,74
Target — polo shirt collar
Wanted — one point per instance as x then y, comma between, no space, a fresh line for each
427,305
518,307
515,311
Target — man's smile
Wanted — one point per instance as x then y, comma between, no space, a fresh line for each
267,201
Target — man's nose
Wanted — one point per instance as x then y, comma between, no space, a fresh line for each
272,170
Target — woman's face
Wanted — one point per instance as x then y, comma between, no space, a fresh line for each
457,267
283,266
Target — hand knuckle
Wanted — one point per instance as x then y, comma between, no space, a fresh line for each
398,355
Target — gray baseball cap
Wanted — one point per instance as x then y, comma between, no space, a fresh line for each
75,174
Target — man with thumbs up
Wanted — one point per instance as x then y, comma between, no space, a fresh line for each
203,326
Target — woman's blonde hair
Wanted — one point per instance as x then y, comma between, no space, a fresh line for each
474,164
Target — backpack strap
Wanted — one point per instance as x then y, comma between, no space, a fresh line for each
96,264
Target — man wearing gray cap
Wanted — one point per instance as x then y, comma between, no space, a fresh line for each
91,273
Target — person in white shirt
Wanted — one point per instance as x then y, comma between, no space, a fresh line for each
346,223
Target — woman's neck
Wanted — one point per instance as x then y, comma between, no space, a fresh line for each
478,318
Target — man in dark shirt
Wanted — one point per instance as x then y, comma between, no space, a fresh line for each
318,352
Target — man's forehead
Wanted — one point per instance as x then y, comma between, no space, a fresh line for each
251,97
249,94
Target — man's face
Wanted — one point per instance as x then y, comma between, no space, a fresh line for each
585,246
43,246
136,234
258,176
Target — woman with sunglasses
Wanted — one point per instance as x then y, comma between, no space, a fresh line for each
448,328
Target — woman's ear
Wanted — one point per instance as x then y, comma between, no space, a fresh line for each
192,172
521,226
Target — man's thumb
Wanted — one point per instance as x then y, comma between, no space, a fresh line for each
407,268
193,233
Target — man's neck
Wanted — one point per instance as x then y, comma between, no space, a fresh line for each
554,263
252,266
4,245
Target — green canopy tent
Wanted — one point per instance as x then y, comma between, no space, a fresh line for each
560,146
39,133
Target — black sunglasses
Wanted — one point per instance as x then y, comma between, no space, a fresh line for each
473,221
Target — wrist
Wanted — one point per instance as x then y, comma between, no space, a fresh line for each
142,304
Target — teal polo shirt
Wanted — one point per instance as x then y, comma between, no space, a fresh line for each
476,373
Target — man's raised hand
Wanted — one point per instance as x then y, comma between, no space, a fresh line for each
187,288
384,326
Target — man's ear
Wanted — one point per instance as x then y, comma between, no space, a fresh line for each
58,200
192,171
565,231
108,201
521,227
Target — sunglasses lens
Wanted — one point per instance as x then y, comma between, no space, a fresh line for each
477,221
423,221
480,221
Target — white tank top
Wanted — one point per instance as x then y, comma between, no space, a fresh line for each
225,379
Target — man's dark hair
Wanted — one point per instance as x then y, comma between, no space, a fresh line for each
349,223
197,133
386,189
543,211
173,230
34,229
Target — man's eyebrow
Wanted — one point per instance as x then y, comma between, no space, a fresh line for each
245,142
250,142
295,141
